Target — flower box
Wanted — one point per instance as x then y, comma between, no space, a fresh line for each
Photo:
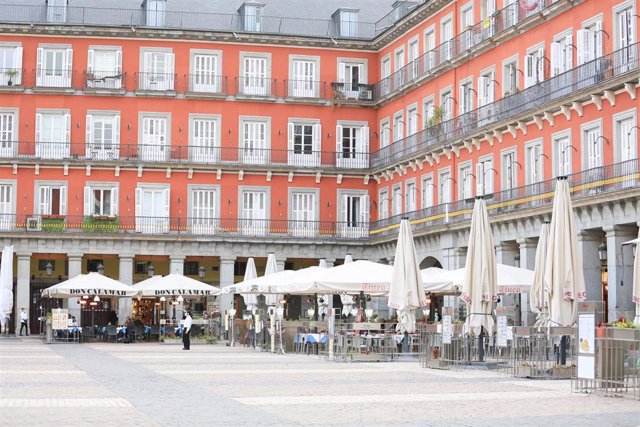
54,223
100,224
563,372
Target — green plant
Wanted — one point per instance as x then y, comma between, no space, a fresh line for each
435,117
11,73
99,224
53,223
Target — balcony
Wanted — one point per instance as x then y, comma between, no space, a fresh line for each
185,154
305,91
526,102
11,79
54,79
585,184
256,88
104,81
355,93
205,85
156,83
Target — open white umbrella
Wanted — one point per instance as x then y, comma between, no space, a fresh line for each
510,279
174,285
251,300
636,278
6,285
90,284
272,267
538,298
480,285
406,292
347,300
564,276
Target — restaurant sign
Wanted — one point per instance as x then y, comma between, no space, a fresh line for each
97,291
194,292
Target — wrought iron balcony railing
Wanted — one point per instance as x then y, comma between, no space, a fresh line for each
584,184
152,82
297,157
260,87
54,78
305,89
105,80
206,84
593,73
353,91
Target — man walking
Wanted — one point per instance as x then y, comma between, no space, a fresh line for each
186,329
24,321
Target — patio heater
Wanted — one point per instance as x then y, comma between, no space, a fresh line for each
93,304
232,313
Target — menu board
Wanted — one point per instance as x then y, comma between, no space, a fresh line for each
586,346
59,319
446,329
503,331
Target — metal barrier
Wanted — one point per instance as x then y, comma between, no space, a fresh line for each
544,354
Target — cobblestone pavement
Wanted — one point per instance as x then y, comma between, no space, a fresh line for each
152,384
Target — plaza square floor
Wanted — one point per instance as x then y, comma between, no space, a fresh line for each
148,384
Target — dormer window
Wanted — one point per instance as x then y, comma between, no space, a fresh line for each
347,22
155,11
251,13
56,11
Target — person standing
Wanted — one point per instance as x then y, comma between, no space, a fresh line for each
186,329
24,319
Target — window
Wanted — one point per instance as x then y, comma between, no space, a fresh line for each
534,63
42,264
303,214
152,209
398,127
429,48
385,133
157,70
156,10
239,267
204,202
349,23
142,267
484,176
101,200
589,42
190,268
303,77
154,137
466,96
255,74
487,10
446,42
57,11
625,35
352,145
412,120
54,66
511,11
486,88
509,169
52,198
563,152
253,218
466,24
592,145
446,104
465,181
383,204
414,53
7,207
562,53
385,73
10,65
304,143
204,137
8,133
104,67
625,136
444,190
256,141
93,264
354,214
206,71
350,76
53,134
253,17
396,200
534,162
102,136
510,76
410,196
427,191
399,63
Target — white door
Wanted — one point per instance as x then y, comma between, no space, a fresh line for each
203,212
412,122
399,75
594,149
510,171
52,200
429,49
352,146
354,216
626,38
628,146
104,69
156,10
7,217
255,81
446,35
427,193
254,147
158,73
53,135
445,189
254,214
304,76
534,164
511,10
303,215
534,67
350,79
8,143
152,210
467,183
203,147
102,137
414,52
467,30
410,196
154,146
53,67
304,144
484,177
11,66
564,157
396,201
204,77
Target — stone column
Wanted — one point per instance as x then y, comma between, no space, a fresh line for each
226,279
176,264
280,264
528,249
506,254
75,269
588,241
126,277
23,288
620,270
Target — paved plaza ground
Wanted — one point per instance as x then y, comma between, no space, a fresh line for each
153,384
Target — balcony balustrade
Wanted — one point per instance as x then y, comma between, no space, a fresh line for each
104,80
305,89
256,87
54,78
206,84
355,92
152,82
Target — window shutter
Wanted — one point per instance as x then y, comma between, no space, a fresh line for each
338,138
462,100
114,201
360,75
170,70
364,146
43,203
63,200
540,66
147,63
291,135
583,42
483,83
87,201
364,210
68,60
556,55
38,127
39,65
90,53
623,29
67,128
116,130
118,61
479,178
341,72
167,202
568,52
343,208
596,38
89,129
17,64
317,138
528,70
138,208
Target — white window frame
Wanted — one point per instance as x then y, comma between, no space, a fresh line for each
398,65
413,53
304,87
511,61
104,79
448,105
252,17
16,64
53,149
154,152
429,42
397,200
412,119
385,132
535,75
8,210
590,40
39,207
302,158
561,52
359,157
346,226
254,226
150,80
347,85
100,151
155,13
89,198
585,131
383,203
203,225
305,227
398,126
465,95
445,185
154,224
410,195
198,152
534,167
446,52
201,82
427,188
465,182
348,26
509,182
255,85
557,161
255,155
618,138
428,109
485,181
54,77
9,137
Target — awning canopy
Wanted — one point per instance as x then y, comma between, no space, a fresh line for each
90,284
174,285
511,280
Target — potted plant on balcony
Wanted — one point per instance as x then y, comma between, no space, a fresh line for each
435,118
53,223
10,73
100,224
